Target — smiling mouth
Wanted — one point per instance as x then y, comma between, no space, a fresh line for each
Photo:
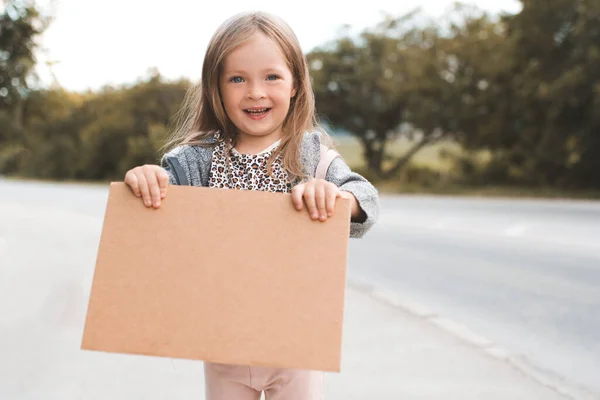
257,111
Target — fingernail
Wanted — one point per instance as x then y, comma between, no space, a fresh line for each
315,215
156,203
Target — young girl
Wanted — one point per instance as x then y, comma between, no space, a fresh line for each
251,125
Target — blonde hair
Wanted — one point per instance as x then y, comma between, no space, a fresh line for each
202,113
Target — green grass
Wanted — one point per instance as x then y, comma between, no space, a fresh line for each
429,156
430,172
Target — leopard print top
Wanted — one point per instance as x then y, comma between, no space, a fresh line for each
247,171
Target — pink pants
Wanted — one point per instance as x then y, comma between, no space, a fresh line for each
236,382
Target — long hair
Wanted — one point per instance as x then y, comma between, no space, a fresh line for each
202,113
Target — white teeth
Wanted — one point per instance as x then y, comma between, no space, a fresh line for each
257,111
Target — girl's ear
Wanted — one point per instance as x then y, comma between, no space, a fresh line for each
294,90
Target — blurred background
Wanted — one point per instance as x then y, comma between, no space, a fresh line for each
501,96
479,123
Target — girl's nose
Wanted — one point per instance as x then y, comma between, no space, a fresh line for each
256,92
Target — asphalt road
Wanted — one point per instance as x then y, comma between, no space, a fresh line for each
525,274
522,273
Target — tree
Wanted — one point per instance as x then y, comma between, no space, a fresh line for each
554,86
355,85
401,79
20,25
477,59
102,135
92,136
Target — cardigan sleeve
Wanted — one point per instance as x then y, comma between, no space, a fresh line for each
340,174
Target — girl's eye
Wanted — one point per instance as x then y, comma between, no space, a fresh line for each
236,79
272,77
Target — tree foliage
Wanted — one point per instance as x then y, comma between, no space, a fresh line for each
523,88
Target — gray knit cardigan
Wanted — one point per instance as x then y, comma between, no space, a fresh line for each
190,165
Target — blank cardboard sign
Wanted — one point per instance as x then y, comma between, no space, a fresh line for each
228,276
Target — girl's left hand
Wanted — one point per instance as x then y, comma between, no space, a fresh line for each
319,196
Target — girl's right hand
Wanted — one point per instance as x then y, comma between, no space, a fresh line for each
149,182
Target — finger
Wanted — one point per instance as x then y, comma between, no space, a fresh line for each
320,200
153,187
297,193
131,180
144,190
309,199
330,198
163,182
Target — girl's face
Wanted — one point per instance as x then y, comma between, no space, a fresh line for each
256,88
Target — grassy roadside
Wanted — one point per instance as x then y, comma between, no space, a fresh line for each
430,157
430,182
396,188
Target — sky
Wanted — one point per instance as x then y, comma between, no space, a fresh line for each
93,43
